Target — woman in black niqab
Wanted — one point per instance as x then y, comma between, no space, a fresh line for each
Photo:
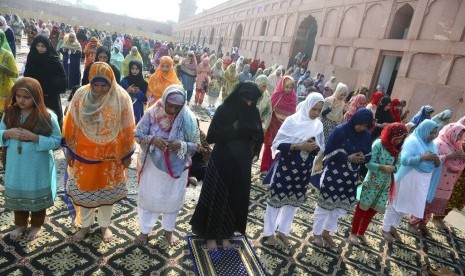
237,133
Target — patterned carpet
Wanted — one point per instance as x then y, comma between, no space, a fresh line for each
53,253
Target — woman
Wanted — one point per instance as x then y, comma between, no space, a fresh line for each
226,61
17,26
375,100
133,55
442,118
54,36
169,136
98,137
382,117
283,103
231,80
117,57
30,132
216,83
71,51
264,102
189,73
9,34
8,70
161,79
418,160
451,154
424,113
396,110
333,110
274,79
90,50
347,150
103,55
357,102
245,74
44,65
331,83
378,185
136,86
258,73
237,134
298,141
202,81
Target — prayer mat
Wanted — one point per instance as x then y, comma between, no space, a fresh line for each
240,260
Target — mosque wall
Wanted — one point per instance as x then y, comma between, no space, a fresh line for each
422,39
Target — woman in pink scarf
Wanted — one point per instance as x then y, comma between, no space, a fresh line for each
204,72
283,104
451,153
357,102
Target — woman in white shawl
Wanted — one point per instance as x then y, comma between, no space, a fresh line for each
333,110
273,80
298,141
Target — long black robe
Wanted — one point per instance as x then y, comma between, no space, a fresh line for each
237,134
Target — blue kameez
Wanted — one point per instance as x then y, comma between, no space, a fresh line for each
30,177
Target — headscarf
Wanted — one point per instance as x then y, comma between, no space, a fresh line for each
181,126
4,42
353,106
331,83
101,119
118,44
231,74
137,80
422,114
388,135
299,127
376,97
159,80
395,113
71,43
130,57
283,104
337,105
3,23
448,137
461,120
381,115
442,118
189,68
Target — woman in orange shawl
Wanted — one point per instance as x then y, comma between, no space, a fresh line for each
161,79
90,50
98,143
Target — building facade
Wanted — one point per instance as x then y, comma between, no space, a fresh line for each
415,48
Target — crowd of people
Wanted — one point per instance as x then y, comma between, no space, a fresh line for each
355,146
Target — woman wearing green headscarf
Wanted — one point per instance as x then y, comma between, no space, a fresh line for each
8,70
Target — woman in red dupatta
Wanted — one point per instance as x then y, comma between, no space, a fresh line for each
283,103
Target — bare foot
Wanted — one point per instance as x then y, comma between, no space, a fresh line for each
395,234
387,236
17,233
226,244
328,239
33,233
284,239
141,239
363,239
192,180
172,241
107,235
318,240
271,240
211,245
353,239
81,234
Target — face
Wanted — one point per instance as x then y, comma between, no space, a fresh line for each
165,67
24,99
248,102
135,70
342,96
134,52
398,140
103,57
433,134
315,111
278,72
99,89
361,104
262,87
172,109
387,107
246,70
360,128
288,87
41,48
460,135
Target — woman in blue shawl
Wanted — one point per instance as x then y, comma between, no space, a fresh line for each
168,136
423,114
414,178
347,149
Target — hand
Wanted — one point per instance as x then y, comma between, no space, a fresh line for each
127,162
160,143
357,158
174,145
436,161
429,156
12,133
454,155
309,146
387,168
26,135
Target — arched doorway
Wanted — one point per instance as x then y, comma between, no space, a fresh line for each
238,36
401,22
305,39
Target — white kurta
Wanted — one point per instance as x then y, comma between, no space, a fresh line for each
159,192
411,193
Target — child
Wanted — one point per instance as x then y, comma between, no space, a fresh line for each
29,132
136,86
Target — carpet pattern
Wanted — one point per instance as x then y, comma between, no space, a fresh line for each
53,252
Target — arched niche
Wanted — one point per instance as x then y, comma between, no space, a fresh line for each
238,36
401,22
